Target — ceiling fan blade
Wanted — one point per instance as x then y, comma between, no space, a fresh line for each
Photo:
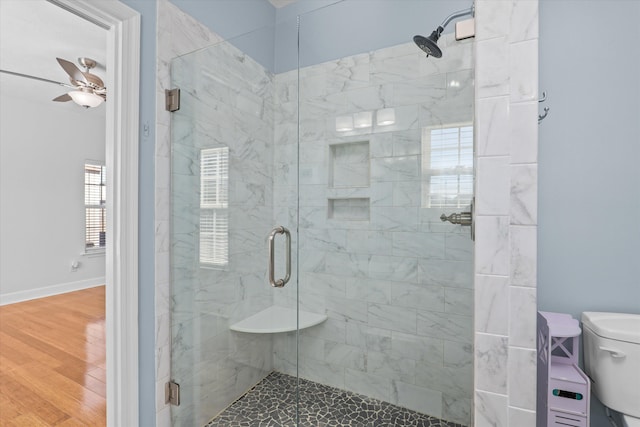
62,98
73,71
37,78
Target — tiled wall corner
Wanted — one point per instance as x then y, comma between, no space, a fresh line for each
506,212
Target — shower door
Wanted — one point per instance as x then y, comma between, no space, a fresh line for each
222,214
385,149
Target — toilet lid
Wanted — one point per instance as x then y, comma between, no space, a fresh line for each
615,326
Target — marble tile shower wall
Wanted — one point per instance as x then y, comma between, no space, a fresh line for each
396,283
506,221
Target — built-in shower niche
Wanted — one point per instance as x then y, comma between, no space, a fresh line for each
348,180
351,209
349,165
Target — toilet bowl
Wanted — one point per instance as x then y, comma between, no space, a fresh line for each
612,361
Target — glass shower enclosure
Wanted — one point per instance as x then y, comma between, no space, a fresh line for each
308,251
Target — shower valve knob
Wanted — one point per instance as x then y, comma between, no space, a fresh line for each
463,218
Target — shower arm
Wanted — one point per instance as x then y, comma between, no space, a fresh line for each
455,15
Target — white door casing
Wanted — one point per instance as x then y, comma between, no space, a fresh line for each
122,141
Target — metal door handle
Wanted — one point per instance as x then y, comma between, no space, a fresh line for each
280,282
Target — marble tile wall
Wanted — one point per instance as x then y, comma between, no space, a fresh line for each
506,222
395,281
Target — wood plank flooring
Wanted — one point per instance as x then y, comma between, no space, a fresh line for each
52,361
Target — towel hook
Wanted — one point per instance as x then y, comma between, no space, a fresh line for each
544,97
542,116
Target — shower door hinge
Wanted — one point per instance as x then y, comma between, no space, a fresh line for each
172,393
172,99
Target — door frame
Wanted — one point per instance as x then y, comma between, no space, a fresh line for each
122,142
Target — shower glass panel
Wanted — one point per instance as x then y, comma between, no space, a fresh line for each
222,212
385,148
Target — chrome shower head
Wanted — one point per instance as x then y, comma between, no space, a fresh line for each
430,44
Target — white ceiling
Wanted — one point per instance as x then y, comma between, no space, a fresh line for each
32,34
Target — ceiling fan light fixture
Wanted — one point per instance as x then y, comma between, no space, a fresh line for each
86,99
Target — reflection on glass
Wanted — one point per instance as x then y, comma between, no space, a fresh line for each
447,166
214,206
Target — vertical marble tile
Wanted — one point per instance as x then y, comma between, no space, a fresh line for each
523,255
492,245
522,381
492,304
523,131
523,69
492,180
523,24
493,19
492,126
492,67
524,194
491,363
522,318
491,410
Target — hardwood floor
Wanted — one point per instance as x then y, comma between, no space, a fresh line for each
52,361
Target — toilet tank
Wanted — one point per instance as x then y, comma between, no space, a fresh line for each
612,359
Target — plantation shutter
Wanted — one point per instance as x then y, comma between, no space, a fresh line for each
95,196
214,206
448,167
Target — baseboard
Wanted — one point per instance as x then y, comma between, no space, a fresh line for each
48,291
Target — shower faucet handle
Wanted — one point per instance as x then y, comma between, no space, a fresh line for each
462,218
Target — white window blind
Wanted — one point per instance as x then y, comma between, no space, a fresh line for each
214,206
447,167
95,196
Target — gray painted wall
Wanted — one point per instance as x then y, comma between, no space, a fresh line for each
589,174
350,27
330,29
248,24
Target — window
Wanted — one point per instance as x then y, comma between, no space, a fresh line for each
214,206
447,166
95,196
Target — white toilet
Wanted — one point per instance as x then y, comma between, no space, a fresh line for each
612,361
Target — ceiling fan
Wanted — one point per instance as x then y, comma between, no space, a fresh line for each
89,88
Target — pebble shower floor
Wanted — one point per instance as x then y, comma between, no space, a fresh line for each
271,403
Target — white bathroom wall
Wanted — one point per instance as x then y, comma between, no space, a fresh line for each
506,212
44,146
